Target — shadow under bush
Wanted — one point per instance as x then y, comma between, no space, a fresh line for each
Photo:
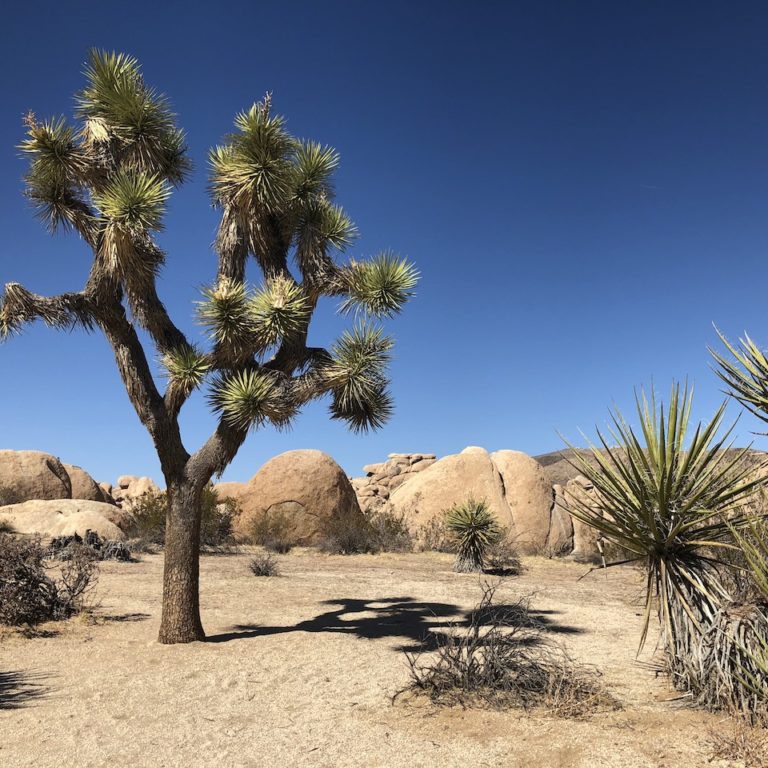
502,659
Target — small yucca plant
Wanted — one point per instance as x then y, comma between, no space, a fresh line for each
475,530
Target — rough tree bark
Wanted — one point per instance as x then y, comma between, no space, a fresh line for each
180,621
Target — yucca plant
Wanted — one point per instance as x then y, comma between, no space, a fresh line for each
475,530
109,176
670,500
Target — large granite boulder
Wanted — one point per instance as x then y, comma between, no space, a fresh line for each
529,497
62,517
451,480
513,485
305,486
85,487
26,475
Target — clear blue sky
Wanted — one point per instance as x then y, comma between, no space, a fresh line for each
582,185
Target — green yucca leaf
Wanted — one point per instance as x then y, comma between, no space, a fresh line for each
362,405
116,105
225,313
359,358
745,374
253,169
248,398
53,150
187,367
314,166
664,498
475,529
279,310
357,377
133,201
381,286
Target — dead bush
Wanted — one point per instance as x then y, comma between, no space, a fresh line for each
274,530
503,559
740,743
501,659
434,537
342,536
28,595
63,547
389,531
147,529
264,565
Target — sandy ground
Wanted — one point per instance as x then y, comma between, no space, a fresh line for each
300,671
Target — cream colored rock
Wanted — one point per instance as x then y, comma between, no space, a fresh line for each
560,540
528,496
451,480
308,487
62,517
585,537
84,486
130,489
27,475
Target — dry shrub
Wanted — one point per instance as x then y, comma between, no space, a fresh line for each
147,529
28,595
343,536
380,531
264,565
274,530
742,744
502,558
731,662
389,531
64,547
434,537
501,659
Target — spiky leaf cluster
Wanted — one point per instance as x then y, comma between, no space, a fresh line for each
663,498
127,124
745,374
248,398
381,286
475,530
278,311
186,367
357,378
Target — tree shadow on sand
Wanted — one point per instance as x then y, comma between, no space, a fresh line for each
17,689
419,624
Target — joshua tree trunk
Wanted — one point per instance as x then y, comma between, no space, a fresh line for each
180,622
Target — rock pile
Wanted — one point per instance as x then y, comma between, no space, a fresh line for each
130,489
381,480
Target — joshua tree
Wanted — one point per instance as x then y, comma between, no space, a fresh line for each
475,530
108,178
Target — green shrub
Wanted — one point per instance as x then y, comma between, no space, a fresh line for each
475,530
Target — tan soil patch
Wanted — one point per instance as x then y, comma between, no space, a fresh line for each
304,667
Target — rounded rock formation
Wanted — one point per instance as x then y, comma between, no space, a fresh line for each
62,517
84,486
306,486
28,475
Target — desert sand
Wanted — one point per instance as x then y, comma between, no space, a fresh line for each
300,671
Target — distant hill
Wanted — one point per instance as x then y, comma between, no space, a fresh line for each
559,471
